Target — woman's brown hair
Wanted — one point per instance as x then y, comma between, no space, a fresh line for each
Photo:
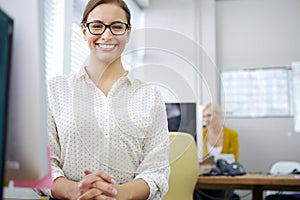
94,3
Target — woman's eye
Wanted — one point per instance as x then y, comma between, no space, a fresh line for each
117,27
97,26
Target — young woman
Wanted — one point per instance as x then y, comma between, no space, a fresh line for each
108,132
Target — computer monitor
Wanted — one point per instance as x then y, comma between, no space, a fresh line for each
6,27
182,117
26,142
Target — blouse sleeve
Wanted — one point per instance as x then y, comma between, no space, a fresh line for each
233,143
235,146
54,145
154,167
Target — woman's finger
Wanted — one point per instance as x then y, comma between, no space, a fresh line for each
97,181
105,176
106,188
102,175
96,194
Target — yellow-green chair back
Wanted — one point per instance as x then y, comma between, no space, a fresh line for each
184,166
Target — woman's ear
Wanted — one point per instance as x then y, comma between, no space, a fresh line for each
83,29
128,34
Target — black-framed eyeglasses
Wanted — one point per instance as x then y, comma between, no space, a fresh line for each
98,27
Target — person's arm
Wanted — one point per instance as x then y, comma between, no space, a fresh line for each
91,186
138,189
154,168
103,184
65,189
232,143
54,145
235,143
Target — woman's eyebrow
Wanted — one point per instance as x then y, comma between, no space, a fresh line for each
105,23
96,21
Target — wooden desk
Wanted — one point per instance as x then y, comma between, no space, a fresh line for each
255,182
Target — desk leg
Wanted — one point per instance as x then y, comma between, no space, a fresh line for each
257,193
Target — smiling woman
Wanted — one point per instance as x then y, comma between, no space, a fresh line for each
64,37
107,131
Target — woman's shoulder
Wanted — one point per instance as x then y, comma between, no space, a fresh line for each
60,83
230,131
204,131
60,79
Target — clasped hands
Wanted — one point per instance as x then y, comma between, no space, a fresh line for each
98,185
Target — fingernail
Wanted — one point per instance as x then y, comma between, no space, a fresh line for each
113,181
114,191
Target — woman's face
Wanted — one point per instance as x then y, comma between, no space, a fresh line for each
106,47
210,118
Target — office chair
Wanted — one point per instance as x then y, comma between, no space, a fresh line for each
284,168
184,166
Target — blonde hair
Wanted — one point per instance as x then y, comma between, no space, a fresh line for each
214,107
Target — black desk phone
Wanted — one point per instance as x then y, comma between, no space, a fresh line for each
228,169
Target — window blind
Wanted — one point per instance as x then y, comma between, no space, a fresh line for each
79,49
53,30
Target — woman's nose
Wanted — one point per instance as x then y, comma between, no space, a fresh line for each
106,35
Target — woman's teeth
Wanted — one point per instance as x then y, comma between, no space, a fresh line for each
106,46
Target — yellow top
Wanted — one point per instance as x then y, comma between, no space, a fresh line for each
230,143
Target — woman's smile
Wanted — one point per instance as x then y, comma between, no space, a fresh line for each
106,47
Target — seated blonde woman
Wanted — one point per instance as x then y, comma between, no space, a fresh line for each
217,139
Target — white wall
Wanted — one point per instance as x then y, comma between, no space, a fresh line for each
260,33
183,35
170,57
234,34
257,33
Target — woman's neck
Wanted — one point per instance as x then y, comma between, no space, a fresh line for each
216,130
101,72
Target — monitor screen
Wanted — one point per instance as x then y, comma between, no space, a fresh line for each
6,28
26,137
182,117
